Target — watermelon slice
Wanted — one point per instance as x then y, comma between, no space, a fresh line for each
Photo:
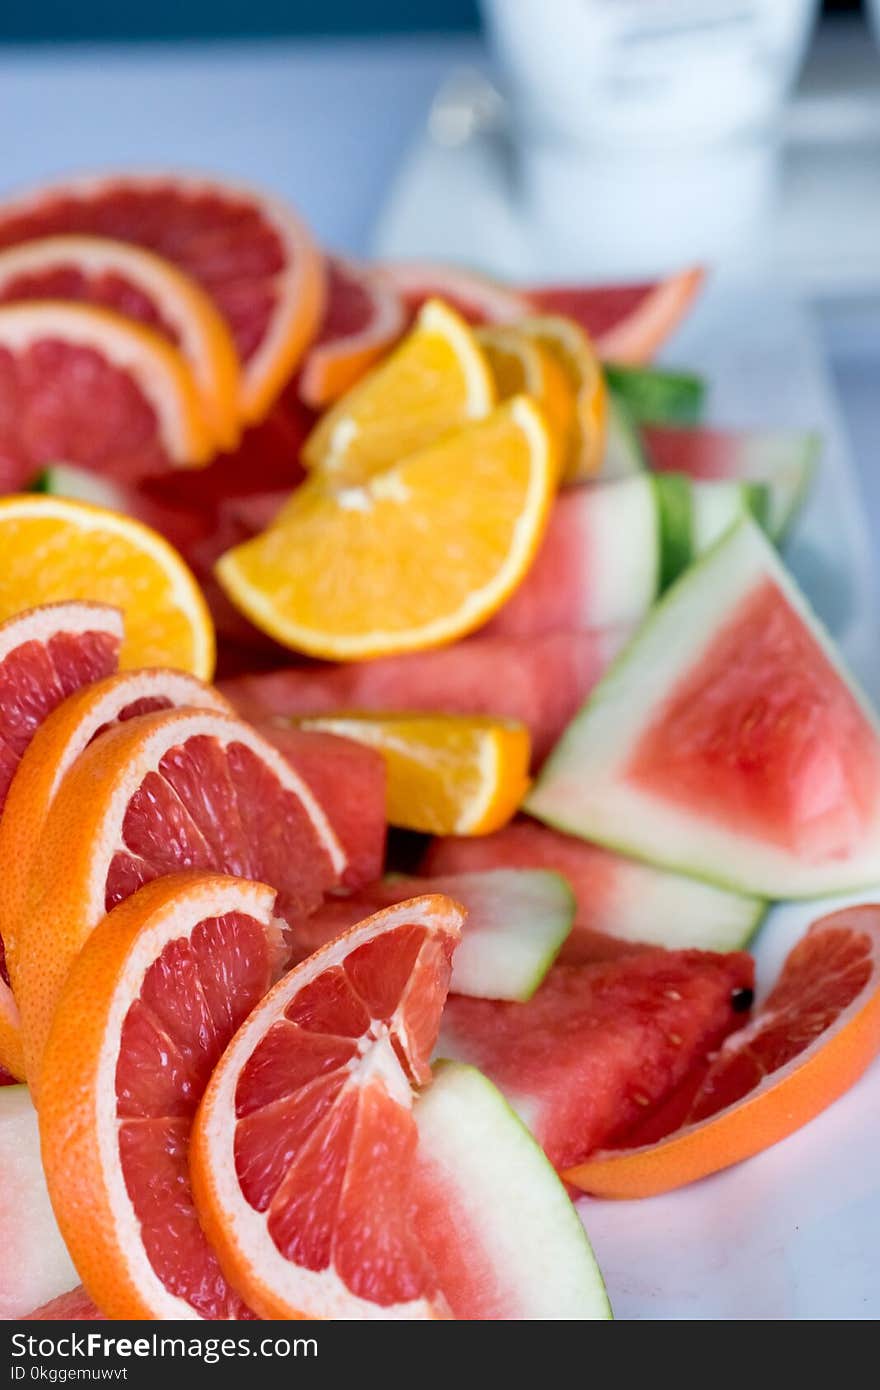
598,565
655,395
517,919
620,904
599,1046
627,323
348,780
35,1265
624,452
728,742
783,460
695,514
519,1250
540,682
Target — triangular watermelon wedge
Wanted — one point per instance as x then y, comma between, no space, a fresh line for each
727,741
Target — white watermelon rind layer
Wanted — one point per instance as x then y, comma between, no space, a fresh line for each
651,906
511,1197
622,539
581,790
624,452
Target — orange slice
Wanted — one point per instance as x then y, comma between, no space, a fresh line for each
62,736
573,351
523,365
363,317
247,249
811,1039
46,654
416,556
303,1146
55,549
444,770
436,380
167,791
88,386
148,1008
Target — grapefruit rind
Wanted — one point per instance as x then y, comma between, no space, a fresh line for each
583,788
35,1266
514,1205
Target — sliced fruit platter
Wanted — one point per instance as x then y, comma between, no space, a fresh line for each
360,984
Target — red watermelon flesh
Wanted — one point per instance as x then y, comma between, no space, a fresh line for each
599,1046
540,682
348,781
75,1306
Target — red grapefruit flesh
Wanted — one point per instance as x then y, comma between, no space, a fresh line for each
620,904
363,318
598,1046
627,323
540,683
349,781
75,1306
809,1041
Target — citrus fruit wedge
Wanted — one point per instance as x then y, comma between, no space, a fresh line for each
517,919
55,549
35,1265
810,1040
436,380
502,1234
469,772
627,323
45,655
540,682
363,571
520,365
149,1006
303,1144
584,449
87,385
476,297
167,791
143,287
363,317
65,733
248,250
597,1047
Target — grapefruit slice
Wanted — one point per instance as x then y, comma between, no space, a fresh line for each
35,1265
477,298
540,682
437,379
87,385
55,746
598,1046
148,1007
516,921
167,791
782,461
656,395
363,317
728,742
620,904
142,287
45,655
55,549
503,1235
461,774
627,323
810,1040
303,1144
248,250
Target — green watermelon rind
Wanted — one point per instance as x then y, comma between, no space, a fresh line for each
675,521
732,501
736,864
515,1192
656,395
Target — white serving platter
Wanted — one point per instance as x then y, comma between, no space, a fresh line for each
794,1232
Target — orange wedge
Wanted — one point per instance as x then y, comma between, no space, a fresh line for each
55,549
416,556
142,287
523,365
448,774
573,351
436,380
